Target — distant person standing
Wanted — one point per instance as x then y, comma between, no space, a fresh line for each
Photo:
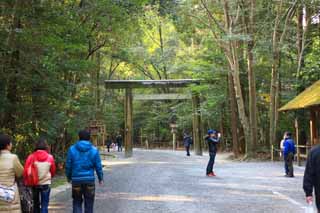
108,143
187,141
10,169
82,160
282,144
289,150
119,142
212,140
311,178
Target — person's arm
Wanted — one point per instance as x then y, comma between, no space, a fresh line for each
69,166
308,179
18,168
26,165
98,167
52,167
285,148
215,140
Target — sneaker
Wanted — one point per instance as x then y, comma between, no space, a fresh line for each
211,174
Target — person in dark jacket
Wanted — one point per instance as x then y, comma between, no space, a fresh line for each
119,142
289,150
187,141
311,179
212,140
108,143
82,160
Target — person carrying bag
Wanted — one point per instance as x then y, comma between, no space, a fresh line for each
10,169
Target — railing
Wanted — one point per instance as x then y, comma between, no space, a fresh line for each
300,154
273,151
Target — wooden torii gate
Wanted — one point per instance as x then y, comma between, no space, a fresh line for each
129,85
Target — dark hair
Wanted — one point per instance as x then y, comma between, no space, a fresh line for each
5,140
42,145
84,135
289,134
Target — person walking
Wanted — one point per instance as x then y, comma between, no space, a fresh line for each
119,142
10,169
82,160
289,150
187,141
108,143
311,179
212,140
46,169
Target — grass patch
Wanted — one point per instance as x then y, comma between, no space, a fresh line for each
58,181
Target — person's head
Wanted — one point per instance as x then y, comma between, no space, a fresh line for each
288,135
42,145
84,135
212,133
5,142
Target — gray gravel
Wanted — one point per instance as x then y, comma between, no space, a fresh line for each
166,181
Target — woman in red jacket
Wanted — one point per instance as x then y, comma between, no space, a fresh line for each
46,168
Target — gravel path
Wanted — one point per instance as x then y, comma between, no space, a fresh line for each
170,182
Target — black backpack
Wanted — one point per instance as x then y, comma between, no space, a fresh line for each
26,198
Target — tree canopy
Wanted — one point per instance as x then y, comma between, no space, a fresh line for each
55,56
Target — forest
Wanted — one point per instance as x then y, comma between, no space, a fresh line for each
255,56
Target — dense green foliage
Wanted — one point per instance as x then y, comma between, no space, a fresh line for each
56,54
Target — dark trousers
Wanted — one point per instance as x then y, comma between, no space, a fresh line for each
211,162
288,163
83,192
108,147
188,150
41,197
120,148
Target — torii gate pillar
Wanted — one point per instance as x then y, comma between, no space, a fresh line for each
128,123
196,123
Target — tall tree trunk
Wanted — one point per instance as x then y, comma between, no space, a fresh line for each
273,95
240,101
232,54
233,117
252,82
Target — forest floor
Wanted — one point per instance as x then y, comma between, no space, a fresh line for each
164,181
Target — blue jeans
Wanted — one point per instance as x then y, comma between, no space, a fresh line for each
211,162
80,192
41,197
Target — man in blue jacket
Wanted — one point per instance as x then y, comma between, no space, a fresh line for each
289,150
82,160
